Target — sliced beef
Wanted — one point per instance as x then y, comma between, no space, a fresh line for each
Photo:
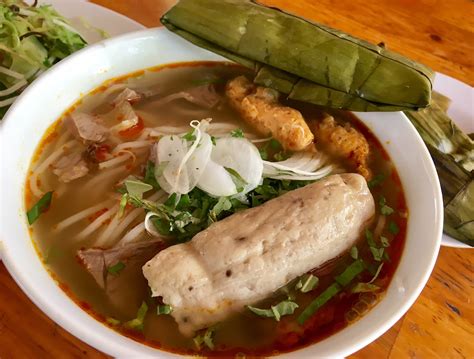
127,95
86,127
126,288
70,167
259,107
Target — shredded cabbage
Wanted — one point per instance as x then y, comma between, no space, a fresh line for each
32,39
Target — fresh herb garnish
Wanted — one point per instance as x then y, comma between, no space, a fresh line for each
40,207
137,188
343,279
385,242
307,283
384,209
354,252
123,204
190,136
207,338
376,181
150,175
116,268
213,140
223,204
238,133
137,323
112,321
377,252
393,228
239,182
362,287
283,308
163,309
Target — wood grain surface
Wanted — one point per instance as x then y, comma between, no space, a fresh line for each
441,322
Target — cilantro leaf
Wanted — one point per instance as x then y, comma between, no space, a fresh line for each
116,268
283,308
238,133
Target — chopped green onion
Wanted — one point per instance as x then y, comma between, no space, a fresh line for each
112,321
137,323
275,145
384,209
343,279
393,228
123,204
307,283
376,181
213,140
40,207
238,133
163,309
116,268
364,288
354,252
285,307
385,242
377,253
223,204
207,338
137,188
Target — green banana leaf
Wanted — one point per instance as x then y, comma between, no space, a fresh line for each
453,154
302,59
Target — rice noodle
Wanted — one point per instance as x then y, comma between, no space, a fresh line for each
97,223
130,145
133,234
18,85
122,157
82,215
62,139
11,73
104,177
118,225
8,101
44,165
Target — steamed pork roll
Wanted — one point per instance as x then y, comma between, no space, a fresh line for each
246,257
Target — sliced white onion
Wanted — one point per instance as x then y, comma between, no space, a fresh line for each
185,163
149,226
237,154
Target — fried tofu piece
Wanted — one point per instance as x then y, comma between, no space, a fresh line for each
259,107
343,141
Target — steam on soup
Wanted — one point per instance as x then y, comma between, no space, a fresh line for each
197,213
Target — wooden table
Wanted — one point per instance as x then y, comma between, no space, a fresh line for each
441,323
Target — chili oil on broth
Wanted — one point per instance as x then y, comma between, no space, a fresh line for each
244,332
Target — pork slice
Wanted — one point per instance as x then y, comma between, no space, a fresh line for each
125,288
86,127
246,257
70,167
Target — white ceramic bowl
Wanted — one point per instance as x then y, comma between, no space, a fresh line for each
46,99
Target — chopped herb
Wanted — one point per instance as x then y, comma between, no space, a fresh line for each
283,308
116,268
275,145
281,156
384,241
307,283
207,338
343,279
393,228
263,153
137,188
239,182
123,204
377,253
376,181
213,140
150,175
112,321
354,252
40,207
137,323
190,136
384,209
223,204
370,238
364,288
237,133
163,309
379,268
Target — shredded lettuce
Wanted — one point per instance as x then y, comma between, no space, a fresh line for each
32,39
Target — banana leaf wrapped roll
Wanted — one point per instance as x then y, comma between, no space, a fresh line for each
302,59
453,154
